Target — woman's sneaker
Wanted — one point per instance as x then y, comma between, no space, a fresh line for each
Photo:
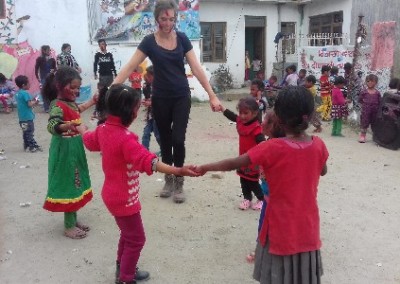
245,204
257,205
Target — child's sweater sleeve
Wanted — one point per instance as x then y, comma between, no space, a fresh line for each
137,155
230,115
91,141
56,118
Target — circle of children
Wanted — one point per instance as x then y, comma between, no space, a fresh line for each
288,231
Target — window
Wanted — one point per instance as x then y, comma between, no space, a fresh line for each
289,41
214,42
327,24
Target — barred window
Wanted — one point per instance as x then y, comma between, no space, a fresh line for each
214,42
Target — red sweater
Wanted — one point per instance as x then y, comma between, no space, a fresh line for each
123,158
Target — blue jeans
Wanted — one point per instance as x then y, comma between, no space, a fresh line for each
150,126
28,128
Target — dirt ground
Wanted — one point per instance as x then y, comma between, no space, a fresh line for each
206,239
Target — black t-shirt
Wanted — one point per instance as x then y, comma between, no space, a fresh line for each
169,69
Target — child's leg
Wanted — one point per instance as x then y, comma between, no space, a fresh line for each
69,220
246,188
71,230
334,127
131,242
146,135
339,127
3,100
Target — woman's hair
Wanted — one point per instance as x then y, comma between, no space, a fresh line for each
58,80
65,46
21,80
249,103
163,5
371,77
44,48
121,100
294,107
259,84
340,80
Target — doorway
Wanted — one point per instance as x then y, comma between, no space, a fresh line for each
255,44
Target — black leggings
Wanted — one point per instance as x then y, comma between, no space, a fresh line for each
172,116
249,186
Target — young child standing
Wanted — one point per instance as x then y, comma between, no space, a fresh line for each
256,91
25,105
339,106
290,230
250,134
7,91
369,100
315,120
292,77
123,158
136,80
69,187
325,87
150,125
302,77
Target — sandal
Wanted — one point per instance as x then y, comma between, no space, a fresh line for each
83,227
75,233
251,257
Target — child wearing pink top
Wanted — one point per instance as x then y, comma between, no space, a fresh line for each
339,106
123,158
289,240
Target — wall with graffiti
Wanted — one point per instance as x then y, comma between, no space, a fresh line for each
131,20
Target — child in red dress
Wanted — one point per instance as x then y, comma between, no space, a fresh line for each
293,164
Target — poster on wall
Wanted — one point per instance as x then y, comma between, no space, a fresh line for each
129,21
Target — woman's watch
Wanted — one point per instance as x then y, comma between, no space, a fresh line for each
154,164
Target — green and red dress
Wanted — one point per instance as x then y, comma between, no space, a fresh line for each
69,187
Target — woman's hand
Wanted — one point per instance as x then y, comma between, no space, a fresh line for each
215,104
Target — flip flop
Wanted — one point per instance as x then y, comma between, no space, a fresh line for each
83,227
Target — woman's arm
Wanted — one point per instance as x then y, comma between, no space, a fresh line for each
137,58
198,72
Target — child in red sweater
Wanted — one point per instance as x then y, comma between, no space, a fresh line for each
123,158
325,86
339,106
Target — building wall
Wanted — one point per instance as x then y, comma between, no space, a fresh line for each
378,11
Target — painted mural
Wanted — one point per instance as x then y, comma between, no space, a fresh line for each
130,20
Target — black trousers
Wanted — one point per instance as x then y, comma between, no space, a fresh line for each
172,116
249,186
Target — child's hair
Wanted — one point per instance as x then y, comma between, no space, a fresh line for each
150,70
334,70
101,40
340,80
21,80
394,83
303,71
58,80
294,107
292,67
325,68
347,66
121,101
371,77
65,46
272,120
249,103
259,84
44,48
3,78
312,79
273,77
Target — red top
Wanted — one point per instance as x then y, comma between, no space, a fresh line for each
325,86
337,97
136,79
292,170
247,140
123,158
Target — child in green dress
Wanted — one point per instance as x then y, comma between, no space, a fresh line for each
69,187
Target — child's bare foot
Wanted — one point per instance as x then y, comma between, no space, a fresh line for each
83,227
75,233
250,257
